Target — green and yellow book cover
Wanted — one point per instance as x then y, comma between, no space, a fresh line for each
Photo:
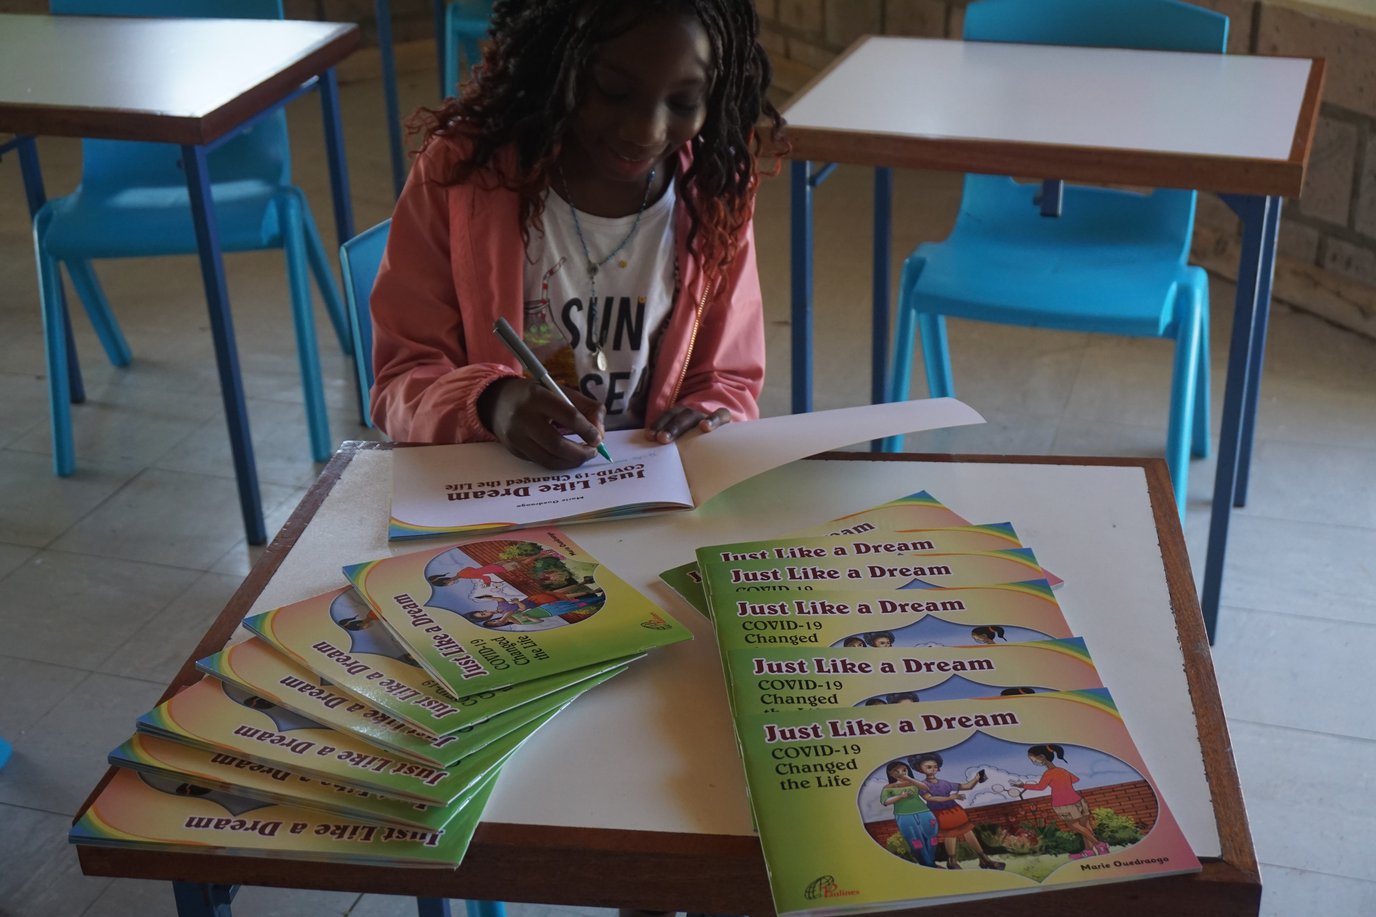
492,612
771,678
734,571
242,776
337,636
686,580
150,812
220,717
894,806
794,616
254,667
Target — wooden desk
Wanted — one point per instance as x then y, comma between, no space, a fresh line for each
1238,126
190,82
634,797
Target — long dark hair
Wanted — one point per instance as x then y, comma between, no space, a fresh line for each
526,88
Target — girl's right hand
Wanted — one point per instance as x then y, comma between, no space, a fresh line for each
529,420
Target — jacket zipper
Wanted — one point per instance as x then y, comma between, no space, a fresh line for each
692,339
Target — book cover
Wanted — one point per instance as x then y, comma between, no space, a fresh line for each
337,636
793,616
150,812
918,510
686,580
257,669
730,572
493,612
893,806
481,487
771,678
240,776
212,715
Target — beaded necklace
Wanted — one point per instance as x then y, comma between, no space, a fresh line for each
599,355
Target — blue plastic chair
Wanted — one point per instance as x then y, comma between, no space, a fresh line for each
359,259
465,26
1114,261
133,201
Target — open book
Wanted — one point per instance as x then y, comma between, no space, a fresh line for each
480,487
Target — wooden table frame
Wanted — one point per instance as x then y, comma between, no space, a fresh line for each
711,873
1252,186
28,109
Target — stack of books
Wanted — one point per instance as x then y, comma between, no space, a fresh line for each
918,724
369,724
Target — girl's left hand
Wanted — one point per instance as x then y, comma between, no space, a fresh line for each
674,423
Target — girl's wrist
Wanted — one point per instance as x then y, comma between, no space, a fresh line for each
487,401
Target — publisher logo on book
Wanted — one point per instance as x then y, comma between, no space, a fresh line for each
656,623
826,887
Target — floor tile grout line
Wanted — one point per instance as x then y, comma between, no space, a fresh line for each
116,559
1226,607
1310,871
1364,740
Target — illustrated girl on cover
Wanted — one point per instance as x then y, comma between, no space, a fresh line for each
1070,807
915,820
952,823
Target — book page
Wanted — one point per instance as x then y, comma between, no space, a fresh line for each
471,487
737,451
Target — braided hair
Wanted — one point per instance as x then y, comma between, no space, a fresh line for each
527,86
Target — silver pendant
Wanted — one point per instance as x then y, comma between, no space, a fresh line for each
599,357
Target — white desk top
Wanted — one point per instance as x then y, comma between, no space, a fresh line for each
1173,106
78,75
653,750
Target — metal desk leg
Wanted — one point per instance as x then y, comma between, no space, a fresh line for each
382,12
800,181
334,153
883,226
195,899
222,330
1256,214
1249,415
33,191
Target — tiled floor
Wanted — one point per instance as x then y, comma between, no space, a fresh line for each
108,577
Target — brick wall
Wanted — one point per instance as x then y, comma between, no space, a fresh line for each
1135,800
1328,236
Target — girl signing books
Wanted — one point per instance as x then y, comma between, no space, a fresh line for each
594,185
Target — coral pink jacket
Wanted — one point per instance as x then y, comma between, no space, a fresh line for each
454,263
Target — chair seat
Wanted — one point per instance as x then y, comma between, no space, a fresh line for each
157,220
1128,290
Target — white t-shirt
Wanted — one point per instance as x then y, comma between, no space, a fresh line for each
634,296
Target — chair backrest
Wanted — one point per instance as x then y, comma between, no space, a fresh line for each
259,152
359,259
1161,25
473,9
